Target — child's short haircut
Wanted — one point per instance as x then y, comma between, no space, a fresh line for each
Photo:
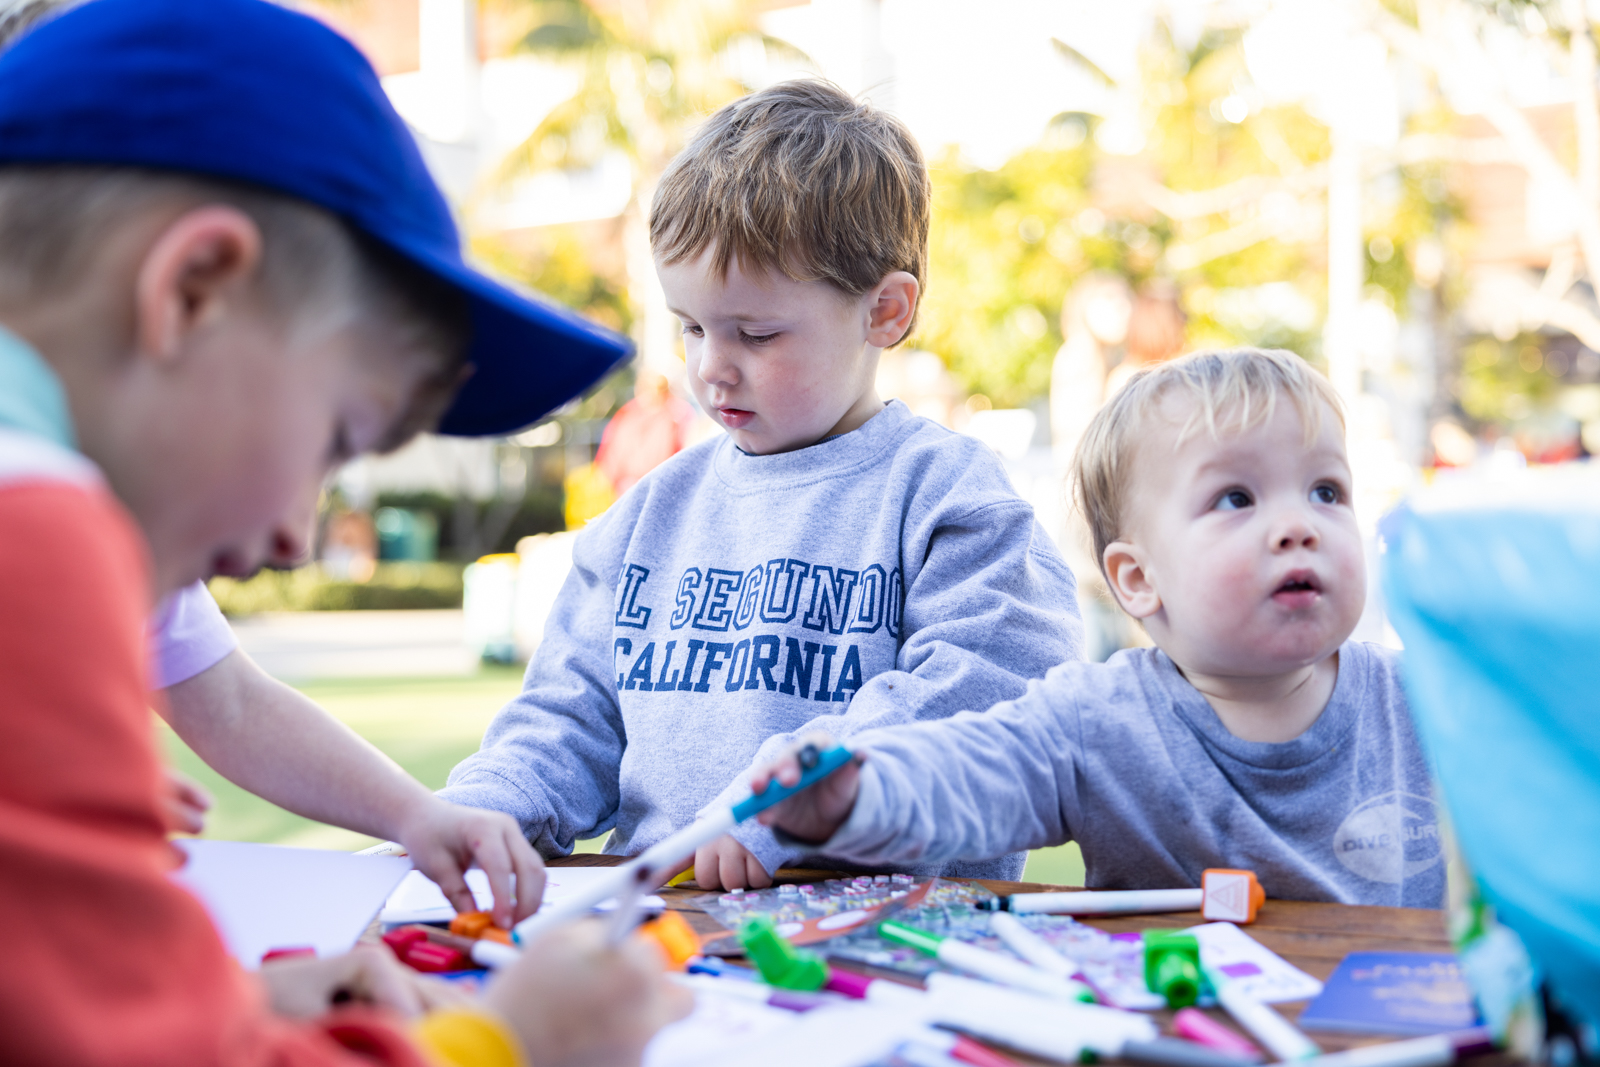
1233,391
315,272
803,180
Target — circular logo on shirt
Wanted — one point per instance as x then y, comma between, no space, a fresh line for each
1389,838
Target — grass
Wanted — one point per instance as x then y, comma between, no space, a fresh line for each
427,725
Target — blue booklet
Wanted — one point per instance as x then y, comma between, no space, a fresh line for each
1394,993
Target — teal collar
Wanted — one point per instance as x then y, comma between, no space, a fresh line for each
31,397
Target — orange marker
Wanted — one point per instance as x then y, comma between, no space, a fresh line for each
1230,896
479,924
678,941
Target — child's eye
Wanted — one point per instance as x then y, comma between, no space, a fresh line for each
692,330
1326,494
1234,500
757,338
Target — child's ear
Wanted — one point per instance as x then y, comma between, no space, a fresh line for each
890,307
1129,582
199,263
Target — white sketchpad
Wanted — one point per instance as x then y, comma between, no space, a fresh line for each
419,900
264,897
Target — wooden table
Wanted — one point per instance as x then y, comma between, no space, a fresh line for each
1313,937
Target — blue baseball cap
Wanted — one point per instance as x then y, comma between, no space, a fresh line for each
249,91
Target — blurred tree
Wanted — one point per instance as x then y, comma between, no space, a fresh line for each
649,71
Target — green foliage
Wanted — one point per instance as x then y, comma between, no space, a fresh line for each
1002,255
1506,381
393,586
559,264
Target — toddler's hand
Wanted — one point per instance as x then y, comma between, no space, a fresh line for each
575,1001
184,803
726,864
816,813
445,839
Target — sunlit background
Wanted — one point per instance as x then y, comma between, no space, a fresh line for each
1405,192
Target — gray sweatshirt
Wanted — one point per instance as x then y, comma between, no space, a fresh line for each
1129,760
729,603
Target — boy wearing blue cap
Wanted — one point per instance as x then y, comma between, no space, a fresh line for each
225,270
832,561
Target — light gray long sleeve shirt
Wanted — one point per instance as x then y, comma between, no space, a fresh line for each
1129,760
729,603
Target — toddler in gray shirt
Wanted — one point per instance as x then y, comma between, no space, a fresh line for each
1254,735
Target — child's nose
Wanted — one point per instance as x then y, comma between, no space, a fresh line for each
1295,530
715,367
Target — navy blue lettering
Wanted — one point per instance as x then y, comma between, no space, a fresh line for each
664,683
849,675
715,651
830,599
738,664
793,671
715,611
629,613
688,668
639,677
751,600
763,657
687,587
869,605
625,646
784,576
893,608
827,668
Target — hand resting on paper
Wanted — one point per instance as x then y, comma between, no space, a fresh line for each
444,839
184,803
816,813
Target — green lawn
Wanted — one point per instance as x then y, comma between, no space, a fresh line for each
428,725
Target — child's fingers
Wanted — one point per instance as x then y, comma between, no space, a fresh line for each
530,874
449,879
491,854
379,979
708,868
756,875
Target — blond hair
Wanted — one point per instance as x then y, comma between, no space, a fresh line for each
803,180
1233,391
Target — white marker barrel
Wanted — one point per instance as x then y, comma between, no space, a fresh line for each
1108,902
1276,1034
1432,1051
1007,971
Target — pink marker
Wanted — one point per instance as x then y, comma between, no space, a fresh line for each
1202,1029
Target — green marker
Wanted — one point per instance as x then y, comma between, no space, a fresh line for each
780,963
1172,966
985,964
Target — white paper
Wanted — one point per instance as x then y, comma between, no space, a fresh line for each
1226,948
733,1031
263,897
419,900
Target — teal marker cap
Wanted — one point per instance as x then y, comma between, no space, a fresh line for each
815,765
911,937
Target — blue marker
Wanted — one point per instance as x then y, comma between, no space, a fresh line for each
815,765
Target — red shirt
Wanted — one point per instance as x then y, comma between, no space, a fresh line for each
103,960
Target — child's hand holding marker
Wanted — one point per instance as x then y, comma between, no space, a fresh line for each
577,998
813,814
